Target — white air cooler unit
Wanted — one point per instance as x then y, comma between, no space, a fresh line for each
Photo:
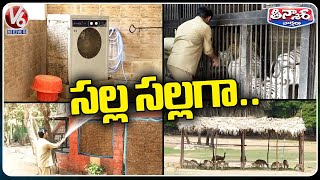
77,47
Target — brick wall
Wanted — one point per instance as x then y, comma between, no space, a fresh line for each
74,162
23,56
62,159
143,49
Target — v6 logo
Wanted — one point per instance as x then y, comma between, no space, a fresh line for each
16,17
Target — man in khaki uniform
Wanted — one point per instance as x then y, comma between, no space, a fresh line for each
167,46
44,156
192,38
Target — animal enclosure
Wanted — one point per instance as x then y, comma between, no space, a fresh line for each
267,61
240,126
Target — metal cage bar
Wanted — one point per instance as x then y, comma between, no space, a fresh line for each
268,55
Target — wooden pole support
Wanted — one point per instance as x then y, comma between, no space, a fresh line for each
215,152
301,151
212,142
268,147
277,160
242,148
182,148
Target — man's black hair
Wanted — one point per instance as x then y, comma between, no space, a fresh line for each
204,12
42,132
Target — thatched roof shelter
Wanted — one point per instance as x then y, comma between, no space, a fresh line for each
233,125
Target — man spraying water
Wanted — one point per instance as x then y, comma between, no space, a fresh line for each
44,156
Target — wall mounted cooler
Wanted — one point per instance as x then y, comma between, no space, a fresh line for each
77,48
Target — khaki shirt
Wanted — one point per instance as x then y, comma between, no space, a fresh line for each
192,38
44,156
168,45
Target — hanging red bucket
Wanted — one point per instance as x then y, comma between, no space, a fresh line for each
48,87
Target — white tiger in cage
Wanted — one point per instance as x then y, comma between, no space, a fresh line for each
290,66
270,88
236,67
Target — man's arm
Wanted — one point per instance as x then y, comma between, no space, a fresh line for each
214,58
207,45
55,145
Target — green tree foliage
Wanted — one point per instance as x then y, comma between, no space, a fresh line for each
20,134
287,109
14,120
308,111
277,109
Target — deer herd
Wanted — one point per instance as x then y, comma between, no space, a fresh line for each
219,162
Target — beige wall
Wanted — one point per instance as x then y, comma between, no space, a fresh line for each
143,49
23,56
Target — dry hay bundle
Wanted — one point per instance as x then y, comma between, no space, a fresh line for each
96,139
233,125
144,148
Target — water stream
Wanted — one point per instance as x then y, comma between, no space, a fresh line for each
78,123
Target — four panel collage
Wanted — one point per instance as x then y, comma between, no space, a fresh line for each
262,56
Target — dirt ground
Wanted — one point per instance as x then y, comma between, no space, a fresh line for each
19,161
172,162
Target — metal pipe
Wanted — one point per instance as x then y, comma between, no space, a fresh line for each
260,63
316,47
235,52
281,64
276,56
216,51
169,7
217,48
294,57
192,11
125,148
175,8
315,55
219,34
227,45
255,52
265,57
288,70
223,49
249,78
311,64
240,58
231,50
167,10
271,60
304,63
188,11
